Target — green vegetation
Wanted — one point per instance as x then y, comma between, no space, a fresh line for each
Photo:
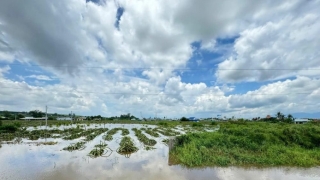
8,129
165,141
95,133
127,146
75,146
184,119
100,150
166,131
108,136
150,132
96,152
143,138
101,145
250,144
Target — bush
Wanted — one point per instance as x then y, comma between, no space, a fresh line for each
0,123
184,119
8,128
197,125
17,124
163,123
250,144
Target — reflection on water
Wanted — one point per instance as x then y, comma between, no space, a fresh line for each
35,162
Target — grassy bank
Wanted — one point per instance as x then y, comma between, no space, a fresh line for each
250,144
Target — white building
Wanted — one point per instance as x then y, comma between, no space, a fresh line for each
301,121
64,119
32,118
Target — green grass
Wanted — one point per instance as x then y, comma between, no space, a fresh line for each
250,144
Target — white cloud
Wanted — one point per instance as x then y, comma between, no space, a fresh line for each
296,95
288,45
40,77
157,36
4,70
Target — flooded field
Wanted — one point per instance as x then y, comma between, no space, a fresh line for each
100,151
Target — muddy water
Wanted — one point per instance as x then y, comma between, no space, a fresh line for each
32,162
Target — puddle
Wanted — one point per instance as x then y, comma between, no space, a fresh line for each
33,161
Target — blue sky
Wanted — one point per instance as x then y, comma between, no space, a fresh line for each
159,57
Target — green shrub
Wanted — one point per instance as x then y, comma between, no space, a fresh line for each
163,123
184,119
197,125
8,128
214,123
250,144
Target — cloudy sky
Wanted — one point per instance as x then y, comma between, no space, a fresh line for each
161,58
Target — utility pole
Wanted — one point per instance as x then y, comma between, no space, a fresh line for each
46,116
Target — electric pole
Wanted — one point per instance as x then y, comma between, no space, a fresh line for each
46,116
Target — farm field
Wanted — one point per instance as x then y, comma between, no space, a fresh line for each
158,150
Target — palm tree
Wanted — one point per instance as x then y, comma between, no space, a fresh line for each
280,116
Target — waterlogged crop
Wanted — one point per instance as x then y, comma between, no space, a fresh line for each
75,146
166,131
150,132
100,150
96,133
127,146
143,138
108,136
96,152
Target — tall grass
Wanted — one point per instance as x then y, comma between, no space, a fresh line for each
250,144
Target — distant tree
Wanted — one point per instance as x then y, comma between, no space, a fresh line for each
280,116
6,114
0,122
19,116
289,119
36,113
184,119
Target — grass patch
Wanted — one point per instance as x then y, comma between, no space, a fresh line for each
250,144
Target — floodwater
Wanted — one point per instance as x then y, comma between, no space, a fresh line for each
36,162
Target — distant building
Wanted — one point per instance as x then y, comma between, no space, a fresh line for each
80,118
32,118
268,117
193,119
301,121
64,119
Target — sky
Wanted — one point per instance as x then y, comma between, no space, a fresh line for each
152,58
